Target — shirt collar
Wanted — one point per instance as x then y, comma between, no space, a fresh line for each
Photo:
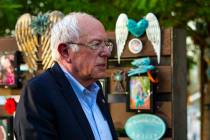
79,89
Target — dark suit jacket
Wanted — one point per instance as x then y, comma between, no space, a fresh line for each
49,110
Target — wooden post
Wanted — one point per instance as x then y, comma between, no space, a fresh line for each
179,84
205,100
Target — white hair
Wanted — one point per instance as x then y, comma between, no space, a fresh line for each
65,30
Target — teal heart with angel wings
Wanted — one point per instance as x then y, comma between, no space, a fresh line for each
137,28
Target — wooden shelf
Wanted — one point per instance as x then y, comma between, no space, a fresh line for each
7,91
116,98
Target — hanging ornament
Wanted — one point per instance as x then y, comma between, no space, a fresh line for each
141,61
121,33
119,78
154,34
151,78
135,46
10,106
33,38
141,65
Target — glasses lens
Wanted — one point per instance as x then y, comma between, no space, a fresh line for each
101,45
109,45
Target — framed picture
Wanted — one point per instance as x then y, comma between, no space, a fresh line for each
6,128
140,94
104,84
10,69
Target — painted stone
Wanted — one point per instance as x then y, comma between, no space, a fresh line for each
145,127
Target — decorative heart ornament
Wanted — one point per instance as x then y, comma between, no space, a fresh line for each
137,29
33,38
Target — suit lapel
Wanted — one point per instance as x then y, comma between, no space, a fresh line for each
71,97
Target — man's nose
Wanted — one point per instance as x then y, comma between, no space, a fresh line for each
105,52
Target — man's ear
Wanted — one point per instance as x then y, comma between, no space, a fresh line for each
64,52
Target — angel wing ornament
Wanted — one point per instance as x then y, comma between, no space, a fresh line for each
47,60
121,33
26,41
154,34
33,39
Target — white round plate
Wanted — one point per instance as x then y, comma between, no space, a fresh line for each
135,46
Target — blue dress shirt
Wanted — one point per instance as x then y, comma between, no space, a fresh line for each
87,99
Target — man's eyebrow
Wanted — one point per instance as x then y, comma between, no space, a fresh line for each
99,40
95,40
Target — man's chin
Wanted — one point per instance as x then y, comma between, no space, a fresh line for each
100,75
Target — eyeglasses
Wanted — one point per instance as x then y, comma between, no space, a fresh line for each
96,45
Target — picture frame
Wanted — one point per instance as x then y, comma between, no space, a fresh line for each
10,69
140,94
6,128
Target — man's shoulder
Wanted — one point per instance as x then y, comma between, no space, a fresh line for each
41,79
41,86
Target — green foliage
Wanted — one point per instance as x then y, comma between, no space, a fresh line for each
174,13
8,9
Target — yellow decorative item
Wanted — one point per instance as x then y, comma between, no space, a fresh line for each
36,46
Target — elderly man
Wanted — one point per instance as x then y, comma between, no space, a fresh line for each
66,102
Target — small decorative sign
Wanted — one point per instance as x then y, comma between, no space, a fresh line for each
145,127
119,78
